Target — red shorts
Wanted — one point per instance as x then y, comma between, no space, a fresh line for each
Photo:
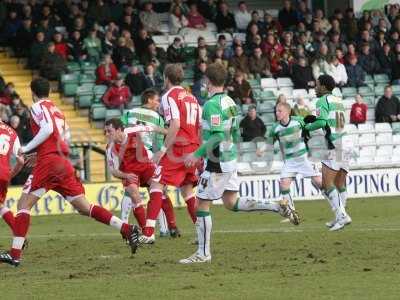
172,170
54,172
143,171
3,190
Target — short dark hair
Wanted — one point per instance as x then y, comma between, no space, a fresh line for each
116,123
174,73
327,81
148,94
216,74
40,87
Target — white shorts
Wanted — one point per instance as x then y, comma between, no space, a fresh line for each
338,160
212,185
304,167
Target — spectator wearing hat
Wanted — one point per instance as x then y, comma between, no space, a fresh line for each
117,95
222,44
252,126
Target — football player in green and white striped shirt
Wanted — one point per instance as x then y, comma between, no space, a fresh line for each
288,132
220,132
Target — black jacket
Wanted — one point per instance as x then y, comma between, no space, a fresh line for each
136,83
301,76
385,108
225,22
122,56
252,128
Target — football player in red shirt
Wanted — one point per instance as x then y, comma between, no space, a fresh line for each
54,171
183,114
9,146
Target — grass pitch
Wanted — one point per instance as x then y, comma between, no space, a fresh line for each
254,257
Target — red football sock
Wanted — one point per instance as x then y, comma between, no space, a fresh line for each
8,217
140,215
21,227
102,215
191,206
168,209
153,209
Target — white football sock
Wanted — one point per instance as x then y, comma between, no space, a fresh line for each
126,207
334,200
203,228
343,197
252,204
162,222
285,195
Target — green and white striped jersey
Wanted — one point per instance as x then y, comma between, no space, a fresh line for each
219,118
290,138
141,115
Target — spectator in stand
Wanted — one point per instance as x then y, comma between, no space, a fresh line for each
221,43
122,55
154,55
366,38
176,51
302,75
355,74
287,43
271,43
52,64
109,42
252,126
199,88
208,9
116,10
386,59
271,25
239,89
2,85
8,94
179,3
107,72
350,27
220,58
358,113
368,61
92,45
130,23
388,107
24,38
195,19
340,56
135,81
117,95
255,20
37,51
142,42
324,23
320,65
225,21
288,16
61,47
380,40
99,12
10,28
126,34
203,55
177,21
152,79
337,71
396,70
335,43
150,19
239,61
301,109
242,17
76,49
259,64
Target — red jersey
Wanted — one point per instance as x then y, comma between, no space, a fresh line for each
177,103
46,115
9,145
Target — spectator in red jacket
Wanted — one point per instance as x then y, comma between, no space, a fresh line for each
195,19
358,114
117,95
107,72
270,44
61,47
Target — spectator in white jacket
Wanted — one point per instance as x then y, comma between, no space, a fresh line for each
242,17
177,21
337,71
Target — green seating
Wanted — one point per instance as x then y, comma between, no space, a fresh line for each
266,107
268,118
73,67
366,91
369,100
349,92
381,79
88,67
189,52
396,89
98,112
369,80
379,90
113,113
69,84
268,95
99,90
84,96
87,78
396,128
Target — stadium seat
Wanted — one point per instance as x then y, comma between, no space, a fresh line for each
211,27
384,154
247,147
287,91
276,165
382,127
381,79
269,95
350,128
350,140
368,152
88,67
284,82
268,83
244,168
369,100
69,84
87,78
73,67
99,90
384,138
112,113
349,92
98,112
369,80
337,92
396,89
366,91
396,154
246,157
266,107
371,114
254,83
268,118
395,128
379,90
84,96
228,37
240,36
297,93
396,139
348,102
367,139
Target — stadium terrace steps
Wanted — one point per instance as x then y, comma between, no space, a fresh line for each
81,130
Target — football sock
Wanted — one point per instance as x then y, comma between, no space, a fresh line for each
191,206
126,206
102,215
168,209
140,215
162,222
285,195
153,209
203,228
8,217
334,200
252,204
343,195
21,227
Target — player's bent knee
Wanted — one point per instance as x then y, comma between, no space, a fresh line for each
27,201
81,205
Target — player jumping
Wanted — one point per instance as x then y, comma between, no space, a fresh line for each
53,171
220,179
335,165
9,146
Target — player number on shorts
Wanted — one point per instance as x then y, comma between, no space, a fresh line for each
4,144
191,113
